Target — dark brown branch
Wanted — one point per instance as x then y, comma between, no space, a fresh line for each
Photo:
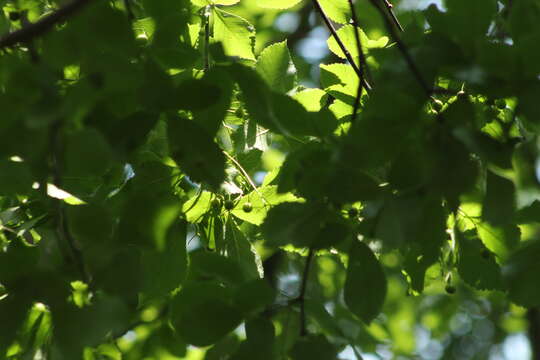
389,8
346,52
206,19
533,316
43,25
302,295
402,48
129,10
364,69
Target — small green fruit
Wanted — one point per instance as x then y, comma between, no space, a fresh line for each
239,113
450,289
216,204
229,204
437,105
247,207
501,104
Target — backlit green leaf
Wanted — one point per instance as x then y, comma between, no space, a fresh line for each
235,33
365,287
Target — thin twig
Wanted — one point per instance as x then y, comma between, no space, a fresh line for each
403,48
389,8
206,18
246,175
363,67
533,316
43,25
302,295
346,52
129,10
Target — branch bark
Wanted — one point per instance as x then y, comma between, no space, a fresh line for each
364,70
340,43
387,14
533,315
43,25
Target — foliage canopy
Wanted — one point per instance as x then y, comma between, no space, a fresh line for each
176,183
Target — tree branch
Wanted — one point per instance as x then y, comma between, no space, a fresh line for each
389,9
346,52
302,295
43,25
402,47
533,315
364,69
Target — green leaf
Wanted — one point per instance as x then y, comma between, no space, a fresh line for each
15,178
365,286
214,2
125,281
90,224
254,296
211,117
13,311
477,266
261,200
195,152
313,347
238,247
146,219
312,99
114,129
206,265
521,274
202,313
499,203
337,10
529,214
292,118
292,223
501,240
347,36
260,342
235,33
106,315
277,4
278,112
425,236
197,206
87,154
165,269
199,94
276,67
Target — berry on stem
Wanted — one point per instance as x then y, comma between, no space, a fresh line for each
247,207
229,204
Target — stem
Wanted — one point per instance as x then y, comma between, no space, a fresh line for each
389,8
40,27
403,49
533,315
302,296
206,54
245,174
363,64
346,52
129,10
